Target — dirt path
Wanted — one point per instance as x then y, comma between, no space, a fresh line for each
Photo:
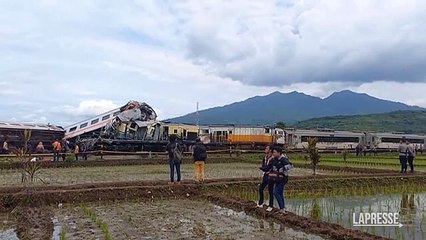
34,223
329,230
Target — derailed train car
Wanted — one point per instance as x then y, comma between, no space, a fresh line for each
133,127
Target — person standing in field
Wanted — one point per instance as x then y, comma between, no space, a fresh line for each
278,176
76,151
5,147
40,149
265,162
174,149
411,154
56,149
200,156
402,152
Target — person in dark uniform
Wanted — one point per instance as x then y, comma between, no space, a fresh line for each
402,152
174,163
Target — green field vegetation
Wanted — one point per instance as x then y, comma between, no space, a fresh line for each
399,121
381,161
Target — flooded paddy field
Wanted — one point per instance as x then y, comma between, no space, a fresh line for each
338,205
135,202
159,219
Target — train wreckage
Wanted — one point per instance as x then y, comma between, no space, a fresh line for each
132,127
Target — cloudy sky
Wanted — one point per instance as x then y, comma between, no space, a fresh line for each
62,61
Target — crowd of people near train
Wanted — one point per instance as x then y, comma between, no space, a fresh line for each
60,149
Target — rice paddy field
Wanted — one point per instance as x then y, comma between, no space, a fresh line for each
130,198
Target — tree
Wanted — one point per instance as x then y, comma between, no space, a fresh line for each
345,154
313,154
280,125
29,168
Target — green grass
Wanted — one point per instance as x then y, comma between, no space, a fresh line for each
399,121
382,161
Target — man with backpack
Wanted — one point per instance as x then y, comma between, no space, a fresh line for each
175,158
200,156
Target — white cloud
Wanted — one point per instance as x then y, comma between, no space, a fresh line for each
88,107
79,58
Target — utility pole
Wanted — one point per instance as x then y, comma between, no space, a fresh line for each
198,121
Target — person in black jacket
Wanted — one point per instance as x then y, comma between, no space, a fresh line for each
278,175
265,161
200,156
173,163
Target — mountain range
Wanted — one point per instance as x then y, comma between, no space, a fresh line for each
293,107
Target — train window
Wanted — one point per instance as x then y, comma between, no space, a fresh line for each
116,113
83,125
175,131
266,130
105,117
73,129
230,132
94,121
390,140
421,141
331,139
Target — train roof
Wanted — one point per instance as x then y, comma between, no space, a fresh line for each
234,126
327,132
32,126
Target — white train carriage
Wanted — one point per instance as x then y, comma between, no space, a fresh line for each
90,125
327,138
391,140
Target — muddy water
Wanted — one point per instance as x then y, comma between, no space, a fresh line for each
7,227
171,219
411,207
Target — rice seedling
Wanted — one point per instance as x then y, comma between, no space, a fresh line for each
94,217
62,234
